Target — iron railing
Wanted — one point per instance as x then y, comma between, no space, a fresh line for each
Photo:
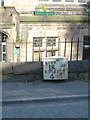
73,49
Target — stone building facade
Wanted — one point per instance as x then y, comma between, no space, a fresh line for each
61,34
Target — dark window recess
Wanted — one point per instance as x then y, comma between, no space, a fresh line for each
86,48
56,0
51,42
3,39
2,2
4,57
82,1
37,42
69,0
4,48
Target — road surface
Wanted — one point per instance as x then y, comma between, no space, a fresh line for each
69,109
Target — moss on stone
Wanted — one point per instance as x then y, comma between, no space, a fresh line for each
8,25
69,18
39,76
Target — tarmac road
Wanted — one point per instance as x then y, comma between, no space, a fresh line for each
69,109
45,100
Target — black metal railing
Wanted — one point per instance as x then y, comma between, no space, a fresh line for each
73,49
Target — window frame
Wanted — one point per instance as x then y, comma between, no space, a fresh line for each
3,43
82,3
44,1
38,46
56,42
70,2
56,1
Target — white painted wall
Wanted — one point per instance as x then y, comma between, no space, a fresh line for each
22,5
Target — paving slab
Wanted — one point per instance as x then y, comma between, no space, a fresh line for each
42,90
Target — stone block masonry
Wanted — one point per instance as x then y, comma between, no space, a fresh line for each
29,68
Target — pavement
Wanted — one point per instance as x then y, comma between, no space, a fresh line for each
41,91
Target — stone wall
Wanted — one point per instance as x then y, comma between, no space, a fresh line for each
37,67
27,72
61,31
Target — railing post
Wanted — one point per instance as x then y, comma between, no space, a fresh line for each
19,52
13,51
6,52
33,51
39,50
65,48
71,49
0,51
46,47
52,47
10,44
26,50
77,47
58,46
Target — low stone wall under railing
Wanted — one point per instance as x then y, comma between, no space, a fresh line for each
34,70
